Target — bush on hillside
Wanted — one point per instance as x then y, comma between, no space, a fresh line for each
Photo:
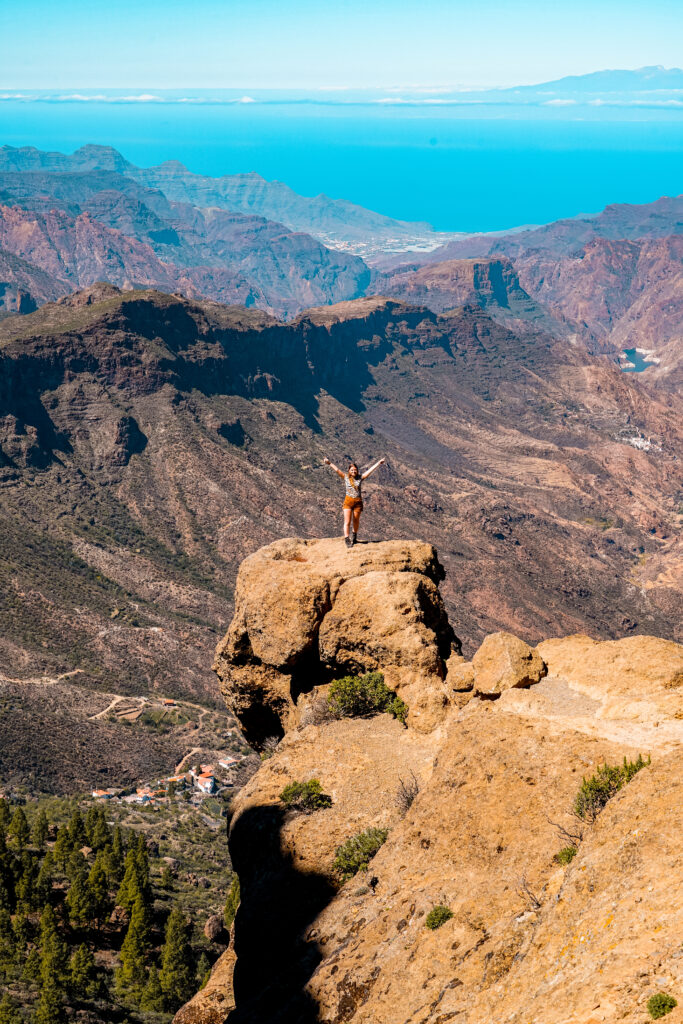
305,796
363,696
356,853
565,855
660,1004
603,785
437,916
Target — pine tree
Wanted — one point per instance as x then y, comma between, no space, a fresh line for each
98,885
83,973
115,858
18,828
136,878
142,861
52,951
50,1008
31,969
232,902
78,899
40,830
20,927
152,998
7,940
175,976
131,975
63,847
44,881
203,970
6,875
77,833
25,888
8,1011
100,836
166,878
75,865
4,815
90,819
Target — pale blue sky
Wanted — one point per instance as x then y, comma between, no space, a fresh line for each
306,44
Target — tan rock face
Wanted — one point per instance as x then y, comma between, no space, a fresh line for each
216,1000
307,611
491,790
504,662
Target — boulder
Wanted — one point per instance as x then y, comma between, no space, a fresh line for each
504,662
309,610
459,674
214,929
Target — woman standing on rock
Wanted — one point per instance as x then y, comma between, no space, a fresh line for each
353,502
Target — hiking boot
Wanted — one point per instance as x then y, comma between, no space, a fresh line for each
353,538
348,541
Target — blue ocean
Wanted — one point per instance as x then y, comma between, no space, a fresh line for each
460,168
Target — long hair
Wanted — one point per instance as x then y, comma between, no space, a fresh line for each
352,462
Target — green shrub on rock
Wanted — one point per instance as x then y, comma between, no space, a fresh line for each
437,916
363,696
565,855
305,796
603,785
356,853
660,1004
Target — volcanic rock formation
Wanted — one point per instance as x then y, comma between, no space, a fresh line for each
585,937
308,610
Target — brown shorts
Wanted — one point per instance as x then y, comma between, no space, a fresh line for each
355,503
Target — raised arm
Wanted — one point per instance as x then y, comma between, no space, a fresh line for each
372,469
338,471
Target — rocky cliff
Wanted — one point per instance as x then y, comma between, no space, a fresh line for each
545,914
482,282
149,444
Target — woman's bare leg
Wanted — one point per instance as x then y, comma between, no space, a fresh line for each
347,520
356,520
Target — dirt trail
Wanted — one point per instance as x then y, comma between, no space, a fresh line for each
110,707
45,680
179,767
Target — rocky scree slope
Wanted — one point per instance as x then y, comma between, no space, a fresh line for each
496,749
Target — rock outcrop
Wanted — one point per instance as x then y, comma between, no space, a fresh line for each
475,807
307,611
504,662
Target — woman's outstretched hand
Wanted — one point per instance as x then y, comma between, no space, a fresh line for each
326,462
382,461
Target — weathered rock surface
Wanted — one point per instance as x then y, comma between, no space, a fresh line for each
494,785
306,611
504,661
212,1004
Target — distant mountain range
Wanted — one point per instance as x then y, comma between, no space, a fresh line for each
73,220
613,279
653,84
